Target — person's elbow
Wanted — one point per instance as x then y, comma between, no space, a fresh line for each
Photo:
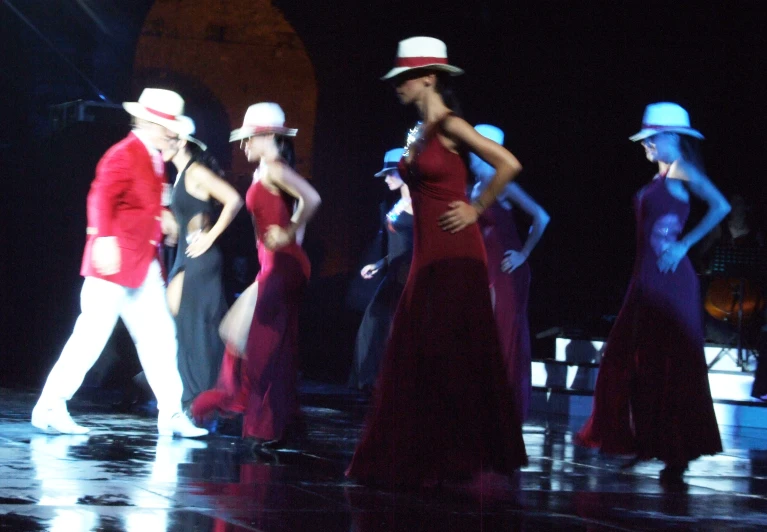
542,218
723,207
509,170
315,201
515,167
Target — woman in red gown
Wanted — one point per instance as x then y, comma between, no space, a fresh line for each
442,407
508,270
652,397
263,386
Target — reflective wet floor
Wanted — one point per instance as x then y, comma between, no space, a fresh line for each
122,477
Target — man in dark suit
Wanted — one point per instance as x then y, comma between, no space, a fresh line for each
123,278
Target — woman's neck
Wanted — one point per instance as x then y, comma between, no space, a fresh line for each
263,170
673,157
404,192
181,160
431,107
664,167
270,154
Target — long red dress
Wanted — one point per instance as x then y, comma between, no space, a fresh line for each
442,407
512,291
652,396
263,387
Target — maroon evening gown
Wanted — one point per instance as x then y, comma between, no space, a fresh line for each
263,386
442,407
652,396
511,296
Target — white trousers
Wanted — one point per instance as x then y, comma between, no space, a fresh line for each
144,311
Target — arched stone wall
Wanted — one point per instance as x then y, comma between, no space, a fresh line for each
243,52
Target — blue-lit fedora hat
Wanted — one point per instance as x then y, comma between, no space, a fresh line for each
664,117
391,160
491,132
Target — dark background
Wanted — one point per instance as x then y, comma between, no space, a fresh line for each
567,81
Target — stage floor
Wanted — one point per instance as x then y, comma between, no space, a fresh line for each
122,477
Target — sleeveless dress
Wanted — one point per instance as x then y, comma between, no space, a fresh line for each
652,396
512,291
376,322
263,387
442,408
202,299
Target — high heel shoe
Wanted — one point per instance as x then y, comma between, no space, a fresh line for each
673,475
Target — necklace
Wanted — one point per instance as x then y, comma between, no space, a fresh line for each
397,210
413,136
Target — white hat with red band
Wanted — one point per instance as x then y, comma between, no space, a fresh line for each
261,119
422,52
186,130
665,117
159,106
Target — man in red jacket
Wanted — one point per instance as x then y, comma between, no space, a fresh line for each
122,272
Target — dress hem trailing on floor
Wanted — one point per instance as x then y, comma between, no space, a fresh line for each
652,396
512,292
202,304
442,407
263,386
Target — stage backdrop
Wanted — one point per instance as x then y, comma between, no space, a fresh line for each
567,81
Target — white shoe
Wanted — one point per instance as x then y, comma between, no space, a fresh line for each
179,424
56,418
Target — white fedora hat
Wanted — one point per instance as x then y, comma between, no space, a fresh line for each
260,119
186,129
422,52
492,132
391,160
159,106
665,116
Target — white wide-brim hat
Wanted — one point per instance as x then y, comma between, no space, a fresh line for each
159,106
665,117
261,119
391,160
422,52
185,131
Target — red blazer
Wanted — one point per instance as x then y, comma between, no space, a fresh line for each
124,201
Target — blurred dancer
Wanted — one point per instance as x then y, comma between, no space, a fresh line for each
122,272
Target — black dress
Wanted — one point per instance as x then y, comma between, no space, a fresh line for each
203,305
376,322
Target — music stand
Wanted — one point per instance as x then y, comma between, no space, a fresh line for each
741,263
